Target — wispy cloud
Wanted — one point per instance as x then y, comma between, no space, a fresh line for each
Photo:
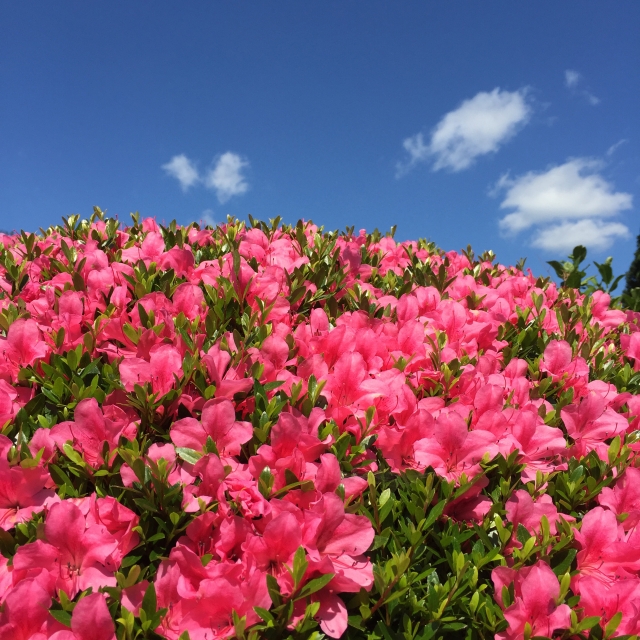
226,176
591,99
568,205
479,126
207,217
183,170
614,147
572,79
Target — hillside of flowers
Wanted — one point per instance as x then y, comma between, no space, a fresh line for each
271,431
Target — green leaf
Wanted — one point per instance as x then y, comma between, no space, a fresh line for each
434,513
265,615
315,585
565,564
64,617
300,565
578,255
188,455
522,534
149,602
613,624
72,454
588,623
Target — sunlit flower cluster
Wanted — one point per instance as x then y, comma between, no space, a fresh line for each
260,430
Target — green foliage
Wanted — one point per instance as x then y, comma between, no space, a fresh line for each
573,274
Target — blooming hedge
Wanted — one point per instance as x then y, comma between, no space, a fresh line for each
265,431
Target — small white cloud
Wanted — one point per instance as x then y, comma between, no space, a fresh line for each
596,235
591,99
226,177
571,78
417,150
183,170
477,127
207,217
571,191
614,147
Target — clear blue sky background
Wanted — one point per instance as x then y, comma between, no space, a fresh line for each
346,113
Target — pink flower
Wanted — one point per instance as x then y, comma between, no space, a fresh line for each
119,521
536,591
92,428
604,552
188,299
591,423
521,509
211,473
164,365
539,445
26,612
219,422
23,492
631,347
624,497
228,380
559,363
75,556
157,452
24,344
453,449
604,601
90,620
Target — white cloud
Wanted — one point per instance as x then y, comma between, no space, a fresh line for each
207,217
571,78
591,99
417,150
571,191
183,170
477,127
568,205
226,177
614,147
596,235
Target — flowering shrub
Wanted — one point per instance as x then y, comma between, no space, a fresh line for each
274,432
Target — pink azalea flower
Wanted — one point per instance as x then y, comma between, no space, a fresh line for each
536,591
23,346
90,620
521,509
25,613
539,445
604,552
228,380
631,347
23,492
558,361
74,556
164,364
92,428
624,497
218,421
591,423
604,601
453,449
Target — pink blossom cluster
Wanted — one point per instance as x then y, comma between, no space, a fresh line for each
426,379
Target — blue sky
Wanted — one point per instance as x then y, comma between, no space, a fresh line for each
503,125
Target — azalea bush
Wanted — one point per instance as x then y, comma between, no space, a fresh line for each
266,431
